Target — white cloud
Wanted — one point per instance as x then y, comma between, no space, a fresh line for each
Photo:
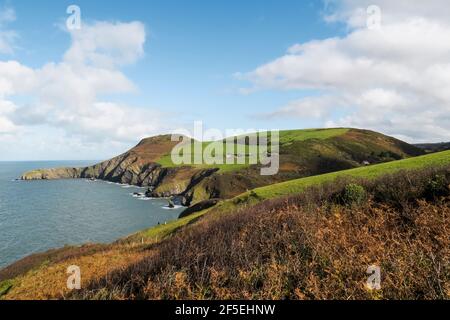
395,79
309,107
104,44
70,96
6,125
354,12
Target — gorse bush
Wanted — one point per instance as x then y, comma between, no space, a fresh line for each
353,194
437,186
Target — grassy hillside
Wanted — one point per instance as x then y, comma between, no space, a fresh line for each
369,172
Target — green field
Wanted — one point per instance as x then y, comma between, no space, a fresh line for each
242,153
290,136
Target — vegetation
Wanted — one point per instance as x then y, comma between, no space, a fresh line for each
353,194
303,247
307,238
290,136
370,172
5,286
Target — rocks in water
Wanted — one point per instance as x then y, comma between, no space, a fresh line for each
149,192
171,204
203,205
138,194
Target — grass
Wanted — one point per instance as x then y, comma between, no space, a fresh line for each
5,286
166,160
286,137
370,172
163,231
290,136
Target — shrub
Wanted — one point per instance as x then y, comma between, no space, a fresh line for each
5,286
437,186
353,194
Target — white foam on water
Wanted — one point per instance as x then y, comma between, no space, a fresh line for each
174,208
126,186
137,195
145,199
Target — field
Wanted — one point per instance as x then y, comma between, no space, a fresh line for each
242,153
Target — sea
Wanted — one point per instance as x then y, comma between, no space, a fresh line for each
36,216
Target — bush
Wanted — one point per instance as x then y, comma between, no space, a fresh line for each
5,286
353,194
437,186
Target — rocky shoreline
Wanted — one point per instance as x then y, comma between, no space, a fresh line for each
175,183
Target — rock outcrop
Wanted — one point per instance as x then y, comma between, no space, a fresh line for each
53,174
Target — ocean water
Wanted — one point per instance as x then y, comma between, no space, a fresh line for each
39,215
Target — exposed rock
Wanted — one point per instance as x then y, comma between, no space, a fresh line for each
53,174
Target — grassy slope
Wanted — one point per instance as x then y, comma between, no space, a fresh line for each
295,186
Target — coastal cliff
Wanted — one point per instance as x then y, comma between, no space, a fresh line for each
302,153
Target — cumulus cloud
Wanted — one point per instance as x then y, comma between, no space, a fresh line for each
107,45
394,79
71,95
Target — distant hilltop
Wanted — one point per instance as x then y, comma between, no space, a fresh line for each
434,147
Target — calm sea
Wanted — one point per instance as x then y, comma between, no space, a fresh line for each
39,215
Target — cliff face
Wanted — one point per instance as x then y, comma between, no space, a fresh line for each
302,153
136,167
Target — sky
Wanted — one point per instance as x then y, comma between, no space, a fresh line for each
140,68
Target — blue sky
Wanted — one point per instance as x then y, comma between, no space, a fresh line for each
231,64
192,51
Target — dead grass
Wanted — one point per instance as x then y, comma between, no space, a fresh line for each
48,281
